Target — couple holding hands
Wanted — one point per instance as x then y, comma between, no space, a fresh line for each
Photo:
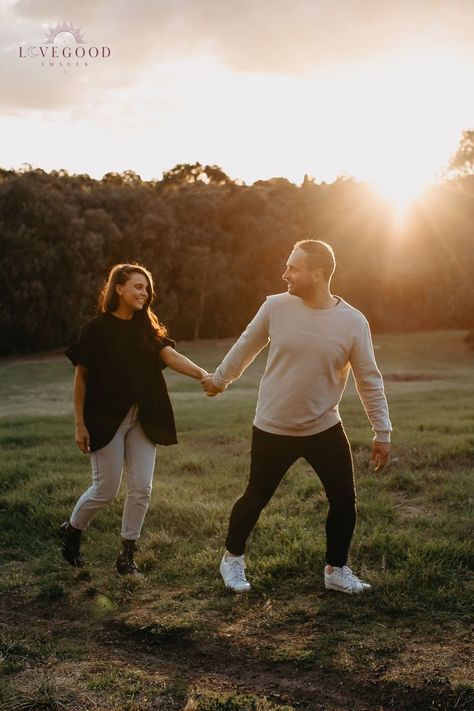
122,408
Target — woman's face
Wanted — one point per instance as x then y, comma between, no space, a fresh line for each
135,292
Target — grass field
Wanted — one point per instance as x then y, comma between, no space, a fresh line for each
178,641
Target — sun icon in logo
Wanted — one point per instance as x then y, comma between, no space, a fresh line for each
62,32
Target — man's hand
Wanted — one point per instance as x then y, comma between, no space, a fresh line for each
380,455
82,438
208,386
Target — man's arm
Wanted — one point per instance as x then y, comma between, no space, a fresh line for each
245,350
369,386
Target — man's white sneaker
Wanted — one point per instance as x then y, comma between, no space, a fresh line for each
343,579
233,573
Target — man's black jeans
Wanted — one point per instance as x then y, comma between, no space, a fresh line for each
272,455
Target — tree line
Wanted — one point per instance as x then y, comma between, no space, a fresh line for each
216,247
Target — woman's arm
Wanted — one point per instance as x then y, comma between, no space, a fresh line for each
178,362
79,396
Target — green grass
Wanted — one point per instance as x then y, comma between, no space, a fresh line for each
413,542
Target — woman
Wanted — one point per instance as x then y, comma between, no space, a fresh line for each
121,404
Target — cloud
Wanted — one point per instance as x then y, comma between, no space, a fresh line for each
252,36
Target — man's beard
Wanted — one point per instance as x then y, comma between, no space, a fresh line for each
298,291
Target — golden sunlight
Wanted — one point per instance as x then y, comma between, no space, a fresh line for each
402,124
401,191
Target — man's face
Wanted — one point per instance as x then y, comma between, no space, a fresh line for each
300,279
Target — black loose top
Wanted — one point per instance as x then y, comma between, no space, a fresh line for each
120,372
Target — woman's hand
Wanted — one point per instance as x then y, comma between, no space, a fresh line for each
83,439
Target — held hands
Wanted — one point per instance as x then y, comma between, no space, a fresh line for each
82,438
208,386
380,455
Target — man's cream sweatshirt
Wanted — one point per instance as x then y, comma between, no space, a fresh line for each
310,356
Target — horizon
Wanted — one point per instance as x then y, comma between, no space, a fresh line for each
325,90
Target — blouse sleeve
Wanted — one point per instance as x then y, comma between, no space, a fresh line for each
161,343
83,351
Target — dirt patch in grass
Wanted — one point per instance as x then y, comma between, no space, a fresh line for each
430,659
189,663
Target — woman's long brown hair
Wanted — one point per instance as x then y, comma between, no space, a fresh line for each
146,321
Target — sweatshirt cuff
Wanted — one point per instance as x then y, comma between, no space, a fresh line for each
382,436
218,381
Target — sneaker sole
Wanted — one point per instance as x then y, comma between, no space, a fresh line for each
348,591
237,592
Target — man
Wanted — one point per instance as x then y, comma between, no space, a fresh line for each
315,338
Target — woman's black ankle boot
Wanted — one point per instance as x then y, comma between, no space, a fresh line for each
71,544
125,563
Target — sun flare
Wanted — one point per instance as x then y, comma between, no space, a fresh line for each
400,137
400,192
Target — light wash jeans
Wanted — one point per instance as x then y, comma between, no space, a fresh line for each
132,448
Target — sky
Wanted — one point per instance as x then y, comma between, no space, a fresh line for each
370,88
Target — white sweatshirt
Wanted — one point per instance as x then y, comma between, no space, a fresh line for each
311,353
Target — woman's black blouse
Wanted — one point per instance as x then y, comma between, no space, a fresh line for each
120,372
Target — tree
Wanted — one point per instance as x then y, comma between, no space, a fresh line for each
187,173
462,162
216,248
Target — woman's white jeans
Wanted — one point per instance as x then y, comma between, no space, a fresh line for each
132,448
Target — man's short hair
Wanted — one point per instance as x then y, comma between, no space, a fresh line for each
320,254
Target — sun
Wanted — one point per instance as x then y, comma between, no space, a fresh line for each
393,125
402,191
401,167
